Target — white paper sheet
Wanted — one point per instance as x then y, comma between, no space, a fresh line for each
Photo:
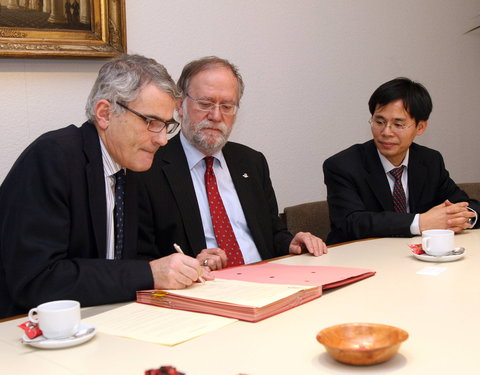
156,324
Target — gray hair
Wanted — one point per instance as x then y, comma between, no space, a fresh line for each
122,79
205,63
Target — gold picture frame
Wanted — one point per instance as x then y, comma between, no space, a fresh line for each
73,30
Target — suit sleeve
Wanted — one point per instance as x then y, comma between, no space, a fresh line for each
281,236
44,253
350,216
448,189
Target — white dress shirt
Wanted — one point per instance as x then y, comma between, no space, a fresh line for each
229,196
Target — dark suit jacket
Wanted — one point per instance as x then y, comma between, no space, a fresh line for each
169,210
360,200
53,227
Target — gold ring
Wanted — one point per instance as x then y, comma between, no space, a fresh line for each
205,262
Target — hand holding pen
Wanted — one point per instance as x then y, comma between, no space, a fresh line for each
178,249
177,271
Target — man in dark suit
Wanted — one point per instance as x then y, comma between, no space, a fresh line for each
176,207
62,235
390,186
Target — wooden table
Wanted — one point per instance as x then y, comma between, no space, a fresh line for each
439,312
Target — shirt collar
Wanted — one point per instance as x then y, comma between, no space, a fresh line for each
110,166
194,156
387,166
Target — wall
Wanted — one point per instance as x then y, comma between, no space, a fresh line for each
310,67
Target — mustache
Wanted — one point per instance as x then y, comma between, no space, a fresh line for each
206,124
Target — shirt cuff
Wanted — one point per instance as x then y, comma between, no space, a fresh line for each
476,217
415,226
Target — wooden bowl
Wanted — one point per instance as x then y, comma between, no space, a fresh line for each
362,343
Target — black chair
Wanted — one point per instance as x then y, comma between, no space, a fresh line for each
308,217
472,189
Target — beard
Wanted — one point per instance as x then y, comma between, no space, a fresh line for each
207,136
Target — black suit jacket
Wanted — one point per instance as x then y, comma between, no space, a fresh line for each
53,227
360,200
169,211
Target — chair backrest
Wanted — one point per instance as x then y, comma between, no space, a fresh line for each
472,189
308,217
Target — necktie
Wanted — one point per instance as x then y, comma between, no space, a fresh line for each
119,212
221,224
399,199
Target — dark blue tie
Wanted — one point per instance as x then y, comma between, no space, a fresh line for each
119,212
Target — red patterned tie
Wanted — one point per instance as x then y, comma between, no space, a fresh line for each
399,199
221,224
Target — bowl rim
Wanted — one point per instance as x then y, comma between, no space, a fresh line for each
403,338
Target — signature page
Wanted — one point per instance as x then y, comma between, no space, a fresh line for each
239,292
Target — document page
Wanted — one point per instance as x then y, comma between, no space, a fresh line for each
156,324
239,292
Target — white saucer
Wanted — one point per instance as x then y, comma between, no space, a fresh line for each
445,258
60,343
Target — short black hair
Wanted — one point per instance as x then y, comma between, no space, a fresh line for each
415,97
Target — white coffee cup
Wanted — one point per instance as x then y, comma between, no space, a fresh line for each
57,319
438,242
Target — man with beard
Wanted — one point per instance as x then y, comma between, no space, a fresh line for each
213,197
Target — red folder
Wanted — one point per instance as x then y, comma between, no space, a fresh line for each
298,285
273,273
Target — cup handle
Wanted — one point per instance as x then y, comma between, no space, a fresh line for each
32,315
425,243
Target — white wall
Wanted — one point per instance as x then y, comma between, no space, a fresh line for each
310,67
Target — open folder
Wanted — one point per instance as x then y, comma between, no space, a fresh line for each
254,292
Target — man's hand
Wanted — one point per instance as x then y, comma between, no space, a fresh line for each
177,271
447,215
307,241
214,258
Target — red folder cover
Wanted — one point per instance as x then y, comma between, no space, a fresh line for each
273,273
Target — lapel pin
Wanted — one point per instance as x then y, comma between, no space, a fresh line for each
245,175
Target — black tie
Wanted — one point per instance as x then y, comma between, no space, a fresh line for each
119,212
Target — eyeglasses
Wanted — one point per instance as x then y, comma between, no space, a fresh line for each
396,127
154,125
206,106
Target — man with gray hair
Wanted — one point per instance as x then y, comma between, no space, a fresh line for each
211,196
68,209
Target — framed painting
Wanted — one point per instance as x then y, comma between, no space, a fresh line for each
62,28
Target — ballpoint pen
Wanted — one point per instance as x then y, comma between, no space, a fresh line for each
179,250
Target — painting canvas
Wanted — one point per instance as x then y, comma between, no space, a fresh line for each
64,28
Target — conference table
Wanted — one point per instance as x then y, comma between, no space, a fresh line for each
435,302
